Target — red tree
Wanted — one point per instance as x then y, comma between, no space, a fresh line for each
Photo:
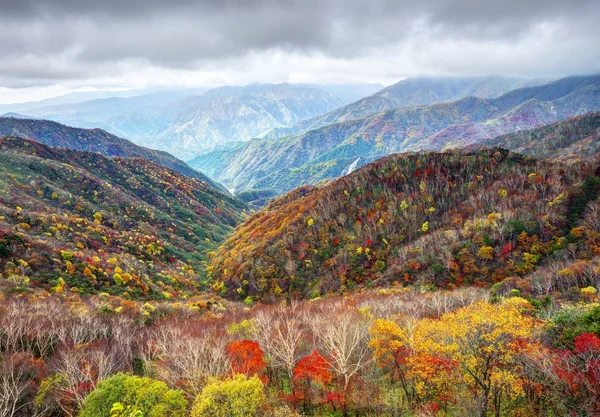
246,357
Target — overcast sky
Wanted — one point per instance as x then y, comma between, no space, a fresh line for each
54,46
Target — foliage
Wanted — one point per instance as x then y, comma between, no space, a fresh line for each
246,356
436,220
122,226
237,397
137,394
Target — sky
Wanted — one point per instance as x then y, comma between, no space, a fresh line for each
53,47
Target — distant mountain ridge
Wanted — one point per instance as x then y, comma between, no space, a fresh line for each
285,163
411,92
93,140
201,122
187,123
578,137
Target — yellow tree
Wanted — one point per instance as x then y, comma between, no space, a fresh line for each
484,340
391,351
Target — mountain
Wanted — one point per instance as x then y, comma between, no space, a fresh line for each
189,122
285,163
198,123
15,115
411,92
93,140
577,137
431,219
349,93
70,98
125,116
118,225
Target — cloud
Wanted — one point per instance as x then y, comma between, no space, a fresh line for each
78,43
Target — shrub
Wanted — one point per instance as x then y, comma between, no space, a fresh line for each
236,397
151,397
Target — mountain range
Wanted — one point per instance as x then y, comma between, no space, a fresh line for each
575,138
411,92
98,213
188,122
285,163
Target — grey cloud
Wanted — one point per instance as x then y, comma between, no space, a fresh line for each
88,38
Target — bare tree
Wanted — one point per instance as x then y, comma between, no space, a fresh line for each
82,367
343,336
282,332
18,375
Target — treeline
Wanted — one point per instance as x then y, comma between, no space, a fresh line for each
388,353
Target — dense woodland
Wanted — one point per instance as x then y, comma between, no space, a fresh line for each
462,283
485,218
95,224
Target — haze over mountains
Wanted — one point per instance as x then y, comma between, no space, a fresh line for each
187,122
93,140
306,158
417,91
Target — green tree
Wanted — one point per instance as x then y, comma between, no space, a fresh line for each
236,397
150,397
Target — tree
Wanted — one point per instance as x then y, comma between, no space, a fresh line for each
391,350
239,396
484,340
345,345
150,397
311,376
579,371
19,376
246,357
183,360
281,334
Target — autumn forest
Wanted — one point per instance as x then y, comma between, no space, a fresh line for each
445,282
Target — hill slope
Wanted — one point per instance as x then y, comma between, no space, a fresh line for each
578,137
93,140
119,225
288,162
440,220
187,124
199,123
411,92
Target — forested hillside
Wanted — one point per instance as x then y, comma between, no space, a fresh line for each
577,137
80,220
427,219
92,140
